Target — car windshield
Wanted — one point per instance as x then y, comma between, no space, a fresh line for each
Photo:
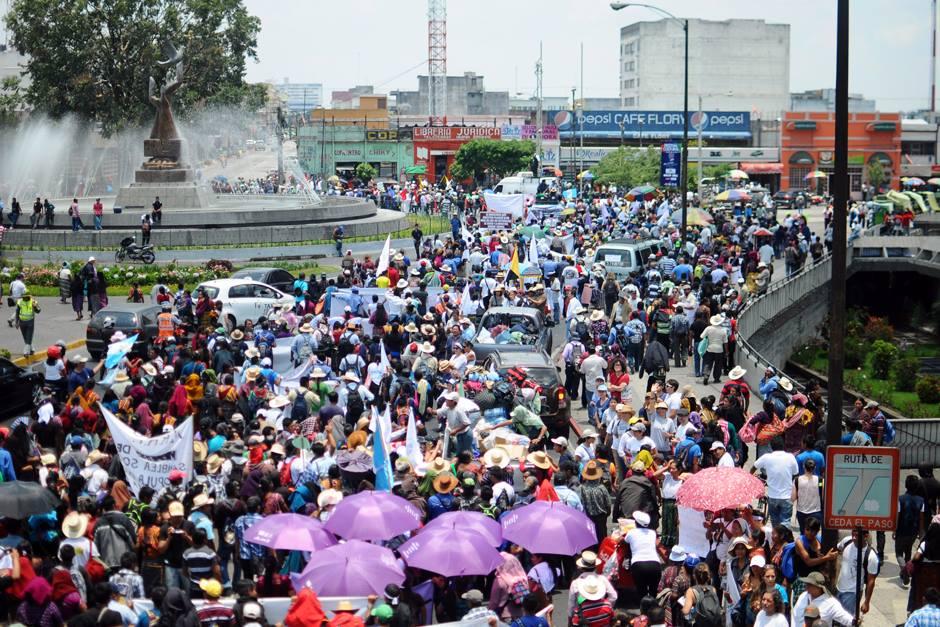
211,292
514,322
254,275
613,256
546,377
122,319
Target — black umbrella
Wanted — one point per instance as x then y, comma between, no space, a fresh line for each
19,499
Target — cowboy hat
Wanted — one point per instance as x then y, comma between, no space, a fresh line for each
94,457
252,373
786,384
596,315
411,327
304,328
496,456
344,606
592,471
150,369
427,347
238,335
427,329
438,466
443,366
539,459
587,560
445,483
213,464
278,401
624,408
121,377
48,459
428,317
736,373
351,376
201,500
716,320
318,373
252,352
200,450
329,497
74,525
592,587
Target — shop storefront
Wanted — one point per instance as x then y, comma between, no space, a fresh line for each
435,146
332,150
808,146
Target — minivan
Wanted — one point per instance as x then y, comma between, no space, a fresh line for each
623,256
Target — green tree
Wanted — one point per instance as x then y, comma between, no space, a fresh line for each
493,158
628,167
365,172
715,171
12,102
876,174
94,58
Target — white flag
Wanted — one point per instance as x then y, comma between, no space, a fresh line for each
465,234
385,256
384,362
533,251
412,448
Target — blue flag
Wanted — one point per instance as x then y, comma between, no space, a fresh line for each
118,350
381,462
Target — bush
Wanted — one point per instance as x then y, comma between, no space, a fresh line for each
879,329
854,353
905,373
928,389
5,353
883,356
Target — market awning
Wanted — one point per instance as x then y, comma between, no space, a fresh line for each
762,168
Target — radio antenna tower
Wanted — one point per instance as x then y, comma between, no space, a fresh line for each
437,62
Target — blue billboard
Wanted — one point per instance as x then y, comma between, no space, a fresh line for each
670,165
653,124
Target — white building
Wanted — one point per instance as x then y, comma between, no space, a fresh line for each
734,65
302,96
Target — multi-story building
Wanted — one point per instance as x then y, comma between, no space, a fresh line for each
825,100
466,95
735,65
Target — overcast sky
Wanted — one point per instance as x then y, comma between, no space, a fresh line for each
384,43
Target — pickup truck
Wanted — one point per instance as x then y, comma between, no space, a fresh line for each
511,329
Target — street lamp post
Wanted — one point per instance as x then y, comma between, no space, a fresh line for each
684,181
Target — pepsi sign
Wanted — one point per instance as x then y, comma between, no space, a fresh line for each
653,124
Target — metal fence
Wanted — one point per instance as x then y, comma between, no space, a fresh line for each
918,440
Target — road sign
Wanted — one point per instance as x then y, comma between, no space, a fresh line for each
862,487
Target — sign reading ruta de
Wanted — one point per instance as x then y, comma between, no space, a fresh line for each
861,487
148,461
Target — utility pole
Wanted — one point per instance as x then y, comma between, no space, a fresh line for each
699,132
574,110
837,290
581,118
933,55
280,145
538,110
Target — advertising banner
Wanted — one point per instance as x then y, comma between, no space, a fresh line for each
654,124
670,165
455,133
148,461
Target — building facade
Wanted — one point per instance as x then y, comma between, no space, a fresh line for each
466,95
808,144
919,148
735,65
302,96
328,149
825,100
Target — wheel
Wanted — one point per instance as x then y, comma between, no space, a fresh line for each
119,256
37,394
147,256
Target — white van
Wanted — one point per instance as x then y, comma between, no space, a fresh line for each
523,183
623,256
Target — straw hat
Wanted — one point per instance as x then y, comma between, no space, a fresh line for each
443,366
539,459
587,560
74,525
445,483
121,377
201,500
427,347
356,439
213,464
786,384
252,373
596,315
279,401
351,376
496,456
304,328
438,466
238,335
592,587
411,327
716,320
624,408
736,373
48,459
150,369
200,451
427,329
94,457
592,471
318,373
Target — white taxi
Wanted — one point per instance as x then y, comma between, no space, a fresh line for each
244,299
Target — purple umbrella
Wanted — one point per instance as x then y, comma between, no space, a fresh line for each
468,521
290,531
350,569
451,553
373,515
549,527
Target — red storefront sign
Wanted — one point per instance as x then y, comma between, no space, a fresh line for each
455,133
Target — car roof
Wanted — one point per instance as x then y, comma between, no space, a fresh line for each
129,307
230,282
255,269
525,359
629,242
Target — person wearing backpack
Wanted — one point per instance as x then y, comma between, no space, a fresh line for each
353,397
848,571
115,534
304,345
679,336
701,607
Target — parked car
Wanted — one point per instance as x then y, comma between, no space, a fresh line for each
129,318
21,388
556,408
784,199
243,299
275,277
536,335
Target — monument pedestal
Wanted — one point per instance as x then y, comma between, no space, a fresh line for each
163,175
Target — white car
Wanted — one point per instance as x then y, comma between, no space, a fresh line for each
244,299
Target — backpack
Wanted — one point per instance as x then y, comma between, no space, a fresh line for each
679,324
354,404
70,468
518,592
112,540
344,347
298,410
682,457
788,561
305,350
889,433
708,611
581,331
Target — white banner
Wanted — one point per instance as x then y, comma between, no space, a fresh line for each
505,203
393,305
148,461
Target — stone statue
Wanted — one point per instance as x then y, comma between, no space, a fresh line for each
164,146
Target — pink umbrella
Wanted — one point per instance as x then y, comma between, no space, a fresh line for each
350,569
468,521
718,488
451,552
373,515
549,527
290,532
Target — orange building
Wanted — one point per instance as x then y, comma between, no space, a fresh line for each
808,143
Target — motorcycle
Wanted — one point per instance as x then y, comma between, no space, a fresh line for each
130,250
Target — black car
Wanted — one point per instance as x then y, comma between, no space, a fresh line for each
784,199
21,388
129,318
556,406
275,277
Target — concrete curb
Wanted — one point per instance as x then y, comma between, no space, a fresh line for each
35,358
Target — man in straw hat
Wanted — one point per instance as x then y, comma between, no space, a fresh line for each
717,340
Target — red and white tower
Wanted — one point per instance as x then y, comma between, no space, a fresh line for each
437,62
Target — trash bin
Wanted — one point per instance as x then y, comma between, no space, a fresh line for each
118,209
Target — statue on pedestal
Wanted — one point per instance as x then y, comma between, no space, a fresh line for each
165,146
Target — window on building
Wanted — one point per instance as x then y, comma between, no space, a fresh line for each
629,83
918,148
629,102
629,66
629,48
855,179
798,176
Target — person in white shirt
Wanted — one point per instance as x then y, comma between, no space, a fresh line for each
585,451
592,368
780,467
845,585
662,428
633,441
542,573
829,609
722,457
772,610
806,495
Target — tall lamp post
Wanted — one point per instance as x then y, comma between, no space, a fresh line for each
684,181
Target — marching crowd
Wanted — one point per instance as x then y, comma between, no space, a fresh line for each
462,437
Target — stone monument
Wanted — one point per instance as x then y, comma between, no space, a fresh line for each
164,173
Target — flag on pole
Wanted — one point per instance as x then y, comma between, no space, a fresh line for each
412,447
118,350
514,265
381,462
533,251
385,256
383,360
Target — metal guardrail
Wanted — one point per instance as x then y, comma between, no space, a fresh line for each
918,439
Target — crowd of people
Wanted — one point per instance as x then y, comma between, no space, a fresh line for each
303,438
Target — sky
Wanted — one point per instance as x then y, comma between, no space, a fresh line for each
384,43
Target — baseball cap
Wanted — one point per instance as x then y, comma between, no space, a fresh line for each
383,612
211,587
